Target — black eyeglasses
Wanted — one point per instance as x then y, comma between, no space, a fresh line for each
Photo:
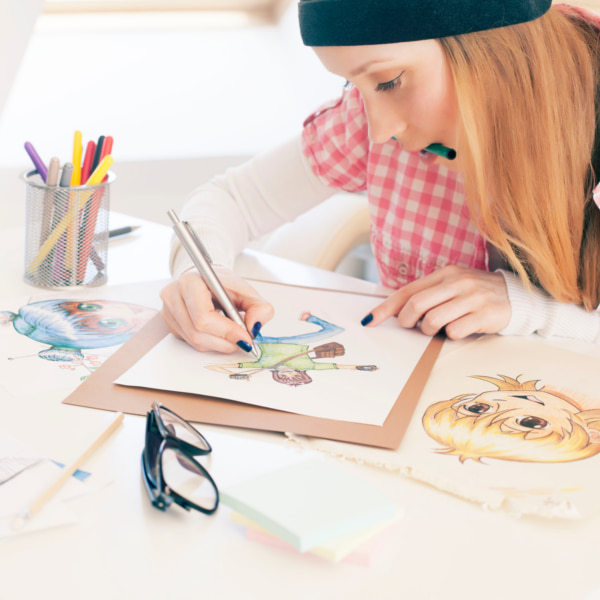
170,472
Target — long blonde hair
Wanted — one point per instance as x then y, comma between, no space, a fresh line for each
527,97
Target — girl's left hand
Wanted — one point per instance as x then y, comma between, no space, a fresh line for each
463,301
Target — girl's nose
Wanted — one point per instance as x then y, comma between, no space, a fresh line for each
383,122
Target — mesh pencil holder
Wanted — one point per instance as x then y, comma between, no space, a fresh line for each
66,233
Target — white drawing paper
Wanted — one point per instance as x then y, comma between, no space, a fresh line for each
515,417
509,422
25,475
54,340
295,376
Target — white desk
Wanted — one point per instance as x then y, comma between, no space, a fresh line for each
123,548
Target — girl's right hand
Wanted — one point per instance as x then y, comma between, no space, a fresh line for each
190,313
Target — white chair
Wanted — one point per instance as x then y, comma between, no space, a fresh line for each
323,236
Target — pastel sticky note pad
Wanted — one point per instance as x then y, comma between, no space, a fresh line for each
340,548
371,550
309,503
365,555
359,545
264,537
361,548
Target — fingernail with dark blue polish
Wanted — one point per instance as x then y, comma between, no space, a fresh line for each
256,329
245,346
366,320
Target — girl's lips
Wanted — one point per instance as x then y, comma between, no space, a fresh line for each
427,157
424,155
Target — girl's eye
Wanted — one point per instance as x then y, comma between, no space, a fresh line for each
533,422
387,86
478,408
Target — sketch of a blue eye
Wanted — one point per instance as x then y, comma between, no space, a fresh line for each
111,323
88,306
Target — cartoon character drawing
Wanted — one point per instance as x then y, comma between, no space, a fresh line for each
518,421
70,326
289,358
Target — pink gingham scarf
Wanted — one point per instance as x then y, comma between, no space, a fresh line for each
419,219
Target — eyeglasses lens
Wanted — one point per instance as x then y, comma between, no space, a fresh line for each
182,430
185,478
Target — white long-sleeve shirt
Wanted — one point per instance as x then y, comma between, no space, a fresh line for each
275,187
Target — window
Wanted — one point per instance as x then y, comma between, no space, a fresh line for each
263,10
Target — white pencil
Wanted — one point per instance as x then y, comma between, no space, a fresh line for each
28,513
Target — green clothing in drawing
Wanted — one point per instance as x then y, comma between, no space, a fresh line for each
273,354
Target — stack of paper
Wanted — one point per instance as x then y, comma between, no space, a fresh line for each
314,507
23,476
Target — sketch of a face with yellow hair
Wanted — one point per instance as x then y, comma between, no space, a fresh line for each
517,421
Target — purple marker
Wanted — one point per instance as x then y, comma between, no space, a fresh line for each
37,161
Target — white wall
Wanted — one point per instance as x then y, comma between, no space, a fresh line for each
163,91
182,101
17,18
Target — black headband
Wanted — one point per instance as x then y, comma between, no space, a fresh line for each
366,22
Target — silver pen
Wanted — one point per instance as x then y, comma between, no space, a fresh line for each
202,262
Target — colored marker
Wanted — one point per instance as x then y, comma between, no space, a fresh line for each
67,175
91,153
77,150
86,168
442,150
90,216
101,170
53,169
37,161
98,155
49,198
48,210
58,256
94,179
106,150
107,146
72,232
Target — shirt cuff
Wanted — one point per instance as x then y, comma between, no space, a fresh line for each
533,311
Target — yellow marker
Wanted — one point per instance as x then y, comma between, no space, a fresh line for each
73,232
77,152
100,171
95,179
